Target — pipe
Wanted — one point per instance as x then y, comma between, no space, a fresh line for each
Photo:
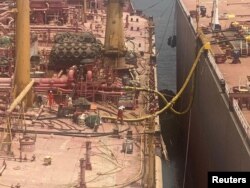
39,9
4,8
64,133
112,92
89,76
61,80
4,15
65,90
17,114
3,28
45,89
46,27
10,22
47,4
51,85
20,97
5,80
5,84
60,74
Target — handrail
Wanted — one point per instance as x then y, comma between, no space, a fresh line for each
242,118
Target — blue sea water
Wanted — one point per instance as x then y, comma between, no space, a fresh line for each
164,19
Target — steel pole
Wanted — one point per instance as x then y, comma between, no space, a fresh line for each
22,67
84,6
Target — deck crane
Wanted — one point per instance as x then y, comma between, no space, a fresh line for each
22,68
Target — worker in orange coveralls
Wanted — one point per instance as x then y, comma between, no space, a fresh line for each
50,98
120,114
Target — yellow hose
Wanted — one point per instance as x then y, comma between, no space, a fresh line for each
190,101
174,99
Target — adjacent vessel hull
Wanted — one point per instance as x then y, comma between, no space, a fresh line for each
214,139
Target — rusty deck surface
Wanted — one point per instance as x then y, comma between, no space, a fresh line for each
229,11
109,164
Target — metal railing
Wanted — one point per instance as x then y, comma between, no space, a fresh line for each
214,65
191,20
236,107
212,62
242,118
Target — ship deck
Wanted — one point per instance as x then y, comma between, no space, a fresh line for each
234,74
110,165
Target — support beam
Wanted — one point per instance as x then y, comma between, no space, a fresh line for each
21,96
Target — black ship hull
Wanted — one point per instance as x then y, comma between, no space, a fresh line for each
212,134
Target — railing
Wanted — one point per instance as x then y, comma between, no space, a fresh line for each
217,71
214,65
242,119
192,22
236,107
184,7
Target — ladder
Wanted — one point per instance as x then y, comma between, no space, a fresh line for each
244,48
6,137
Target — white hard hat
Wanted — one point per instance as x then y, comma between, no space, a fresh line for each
121,107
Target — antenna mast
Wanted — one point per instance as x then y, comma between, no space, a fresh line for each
215,16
